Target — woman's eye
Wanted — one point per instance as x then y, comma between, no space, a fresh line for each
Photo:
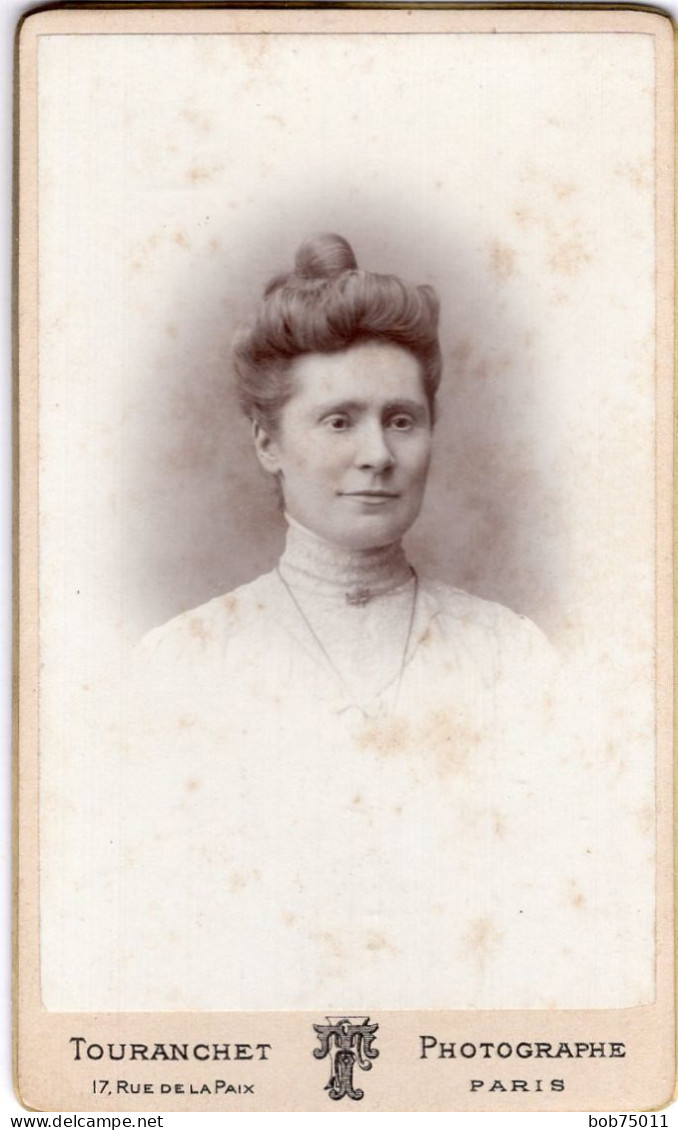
337,423
401,423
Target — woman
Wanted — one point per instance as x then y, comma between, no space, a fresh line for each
348,757
338,376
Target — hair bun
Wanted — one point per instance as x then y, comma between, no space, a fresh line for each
324,255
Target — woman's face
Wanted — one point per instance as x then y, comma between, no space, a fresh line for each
353,444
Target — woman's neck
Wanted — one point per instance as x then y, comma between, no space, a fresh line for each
356,575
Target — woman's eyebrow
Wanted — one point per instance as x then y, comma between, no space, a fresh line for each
341,406
397,405
416,407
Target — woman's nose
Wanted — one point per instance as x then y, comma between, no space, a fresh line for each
373,450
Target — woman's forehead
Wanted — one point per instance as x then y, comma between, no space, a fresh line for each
367,372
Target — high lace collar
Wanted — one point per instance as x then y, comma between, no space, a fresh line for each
356,575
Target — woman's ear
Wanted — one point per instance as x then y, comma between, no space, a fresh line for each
266,449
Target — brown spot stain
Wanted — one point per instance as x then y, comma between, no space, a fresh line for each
548,708
377,943
255,48
357,799
198,173
640,175
566,251
564,190
180,239
503,260
214,244
449,740
386,738
185,722
645,820
568,257
289,918
481,940
192,785
144,252
523,215
231,604
332,944
171,330
198,121
498,824
198,629
576,896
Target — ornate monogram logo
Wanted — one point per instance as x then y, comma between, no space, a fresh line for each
348,1041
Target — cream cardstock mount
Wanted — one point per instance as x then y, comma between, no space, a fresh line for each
220,844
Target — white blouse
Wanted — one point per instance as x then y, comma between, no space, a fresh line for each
339,803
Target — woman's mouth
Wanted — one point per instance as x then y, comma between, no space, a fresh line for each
374,497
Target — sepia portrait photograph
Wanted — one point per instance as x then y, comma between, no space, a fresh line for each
345,463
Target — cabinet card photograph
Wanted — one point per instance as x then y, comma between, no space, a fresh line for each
344,620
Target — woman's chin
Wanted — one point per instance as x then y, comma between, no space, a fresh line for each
369,533
356,525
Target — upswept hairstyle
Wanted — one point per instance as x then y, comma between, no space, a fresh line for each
327,304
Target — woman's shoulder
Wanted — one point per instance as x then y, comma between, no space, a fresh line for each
209,627
458,608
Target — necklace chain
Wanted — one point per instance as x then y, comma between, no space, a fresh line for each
327,655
